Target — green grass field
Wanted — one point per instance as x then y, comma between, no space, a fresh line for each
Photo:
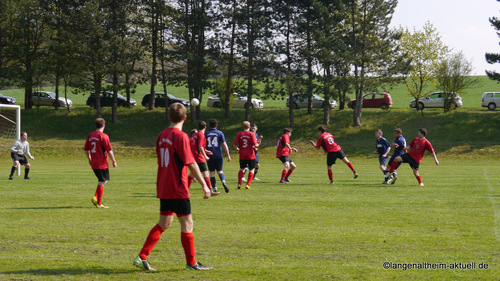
304,230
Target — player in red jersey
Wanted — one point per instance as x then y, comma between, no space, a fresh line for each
327,142
174,159
198,147
97,147
283,153
245,144
413,157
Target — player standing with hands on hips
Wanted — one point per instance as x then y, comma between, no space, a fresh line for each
17,153
97,147
174,159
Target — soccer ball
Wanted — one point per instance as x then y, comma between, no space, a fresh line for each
195,102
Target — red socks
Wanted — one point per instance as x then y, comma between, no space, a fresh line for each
330,174
250,178
98,193
240,176
283,174
393,166
350,166
419,179
207,180
289,173
187,240
153,238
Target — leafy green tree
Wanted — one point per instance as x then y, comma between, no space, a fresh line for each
493,58
453,76
426,50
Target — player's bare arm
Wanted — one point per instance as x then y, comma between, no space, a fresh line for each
112,156
226,148
195,172
435,158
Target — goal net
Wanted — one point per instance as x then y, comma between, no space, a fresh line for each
10,126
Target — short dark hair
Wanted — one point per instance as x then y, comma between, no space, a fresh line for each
287,130
193,131
398,130
423,131
176,112
213,123
99,123
322,129
202,125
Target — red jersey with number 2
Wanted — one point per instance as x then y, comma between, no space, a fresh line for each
98,144
245,140
327,142
174,154
418,148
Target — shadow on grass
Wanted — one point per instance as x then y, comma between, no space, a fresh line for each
48,208
78,271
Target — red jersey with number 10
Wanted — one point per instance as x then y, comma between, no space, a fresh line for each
327,142
98,144
245,140
174,154
418,148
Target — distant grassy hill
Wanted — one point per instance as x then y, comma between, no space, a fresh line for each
463,133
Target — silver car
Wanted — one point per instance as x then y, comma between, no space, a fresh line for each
44,98
240,101
301,101
491,100
436,100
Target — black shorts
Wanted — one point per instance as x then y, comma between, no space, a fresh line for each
285,159
392,159
247,163
102,174
202,166
181,207
333,156
19,157
215,164
408,159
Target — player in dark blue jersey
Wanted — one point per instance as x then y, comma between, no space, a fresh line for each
215,142
399,145
382,148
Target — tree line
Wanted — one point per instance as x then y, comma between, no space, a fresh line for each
331,48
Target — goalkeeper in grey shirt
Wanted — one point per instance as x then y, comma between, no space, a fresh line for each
18,150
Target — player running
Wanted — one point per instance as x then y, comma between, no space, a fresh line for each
283,152
198,145
245,144
18,152
97,147
327,142
382,148
399,149
413,157
215,142
174,159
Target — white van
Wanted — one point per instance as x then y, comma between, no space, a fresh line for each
491,100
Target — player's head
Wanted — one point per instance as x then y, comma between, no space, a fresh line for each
398,132
193,131
379,132
99,123
423,132
202,125
322,129
24,135
177,112
254,127
287,131
246,125
213,123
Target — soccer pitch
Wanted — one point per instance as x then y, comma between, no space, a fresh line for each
305,230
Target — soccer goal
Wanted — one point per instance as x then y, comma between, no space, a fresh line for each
10,126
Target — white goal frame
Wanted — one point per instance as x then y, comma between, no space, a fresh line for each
18,125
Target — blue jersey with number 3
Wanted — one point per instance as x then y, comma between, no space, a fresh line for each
215,139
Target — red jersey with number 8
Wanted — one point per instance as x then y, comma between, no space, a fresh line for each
327,142
245,141
174,154
98,144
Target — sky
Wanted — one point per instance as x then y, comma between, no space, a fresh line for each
462,24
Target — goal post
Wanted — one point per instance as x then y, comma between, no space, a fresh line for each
10,125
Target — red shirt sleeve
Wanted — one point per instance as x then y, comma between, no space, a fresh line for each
319,143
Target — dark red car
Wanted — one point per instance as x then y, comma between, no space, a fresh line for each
374,100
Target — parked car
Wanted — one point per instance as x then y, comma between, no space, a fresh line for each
44,98
374,100
436,100
7,99
491,100
160,100
214,101
301,101
107,100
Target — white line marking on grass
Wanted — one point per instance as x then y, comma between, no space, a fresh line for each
494,205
